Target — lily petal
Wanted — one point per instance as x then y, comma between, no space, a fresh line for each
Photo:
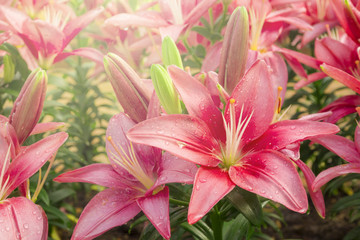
74,26
341,76
198,100
174,169
22,219
45,127
86,52
210,186
333,172
283,133
316,197
272,175
254,94
156,208
32,158
341,146
108,209
98,173
182,135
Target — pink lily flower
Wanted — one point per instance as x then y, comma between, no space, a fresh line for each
349,17
47,40
346,149
20,217
135,181
341,107
239,147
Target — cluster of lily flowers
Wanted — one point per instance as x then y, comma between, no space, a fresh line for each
219,129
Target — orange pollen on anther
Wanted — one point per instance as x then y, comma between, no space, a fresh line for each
232,101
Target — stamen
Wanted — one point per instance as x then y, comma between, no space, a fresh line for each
234,132
130,163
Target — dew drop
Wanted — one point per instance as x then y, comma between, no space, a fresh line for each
292,127
7,229
26,226
203,180
197,187
39,218
262,191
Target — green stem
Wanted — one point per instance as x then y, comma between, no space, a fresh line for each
178,202
216,223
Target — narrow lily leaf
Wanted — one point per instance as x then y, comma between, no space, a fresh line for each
341,146
316,197
22,219
198,101
156,208
248,204
170,53
165,90
210,186
108,209
333,172
271,175
98,173
174,169
341,76
283,133
28,105
32,158
236,229
235,49
190,140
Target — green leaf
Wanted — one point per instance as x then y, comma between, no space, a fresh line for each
61,194
236,229
248,204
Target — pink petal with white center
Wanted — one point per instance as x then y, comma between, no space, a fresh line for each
174,169
98,173
32,158
45,127
198,101
210,186
42,37
271,175
255,95
333,172
341,76
147,157
156,209
182,135
86,52
341,146
283,133
22,219
108,209
74,26
316,197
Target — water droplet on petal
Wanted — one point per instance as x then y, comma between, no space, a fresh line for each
202,180
26,226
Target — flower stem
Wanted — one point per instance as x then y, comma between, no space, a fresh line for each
216,223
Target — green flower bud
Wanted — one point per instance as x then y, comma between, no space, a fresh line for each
9,69
170,53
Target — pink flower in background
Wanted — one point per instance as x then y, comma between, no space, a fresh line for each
46,40
135,181
239,147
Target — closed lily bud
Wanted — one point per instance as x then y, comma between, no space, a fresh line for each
170,53
165,90
235,50
29,104
9,69
129,90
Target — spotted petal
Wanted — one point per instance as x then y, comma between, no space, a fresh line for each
182,135
271,175
108,209
210,186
